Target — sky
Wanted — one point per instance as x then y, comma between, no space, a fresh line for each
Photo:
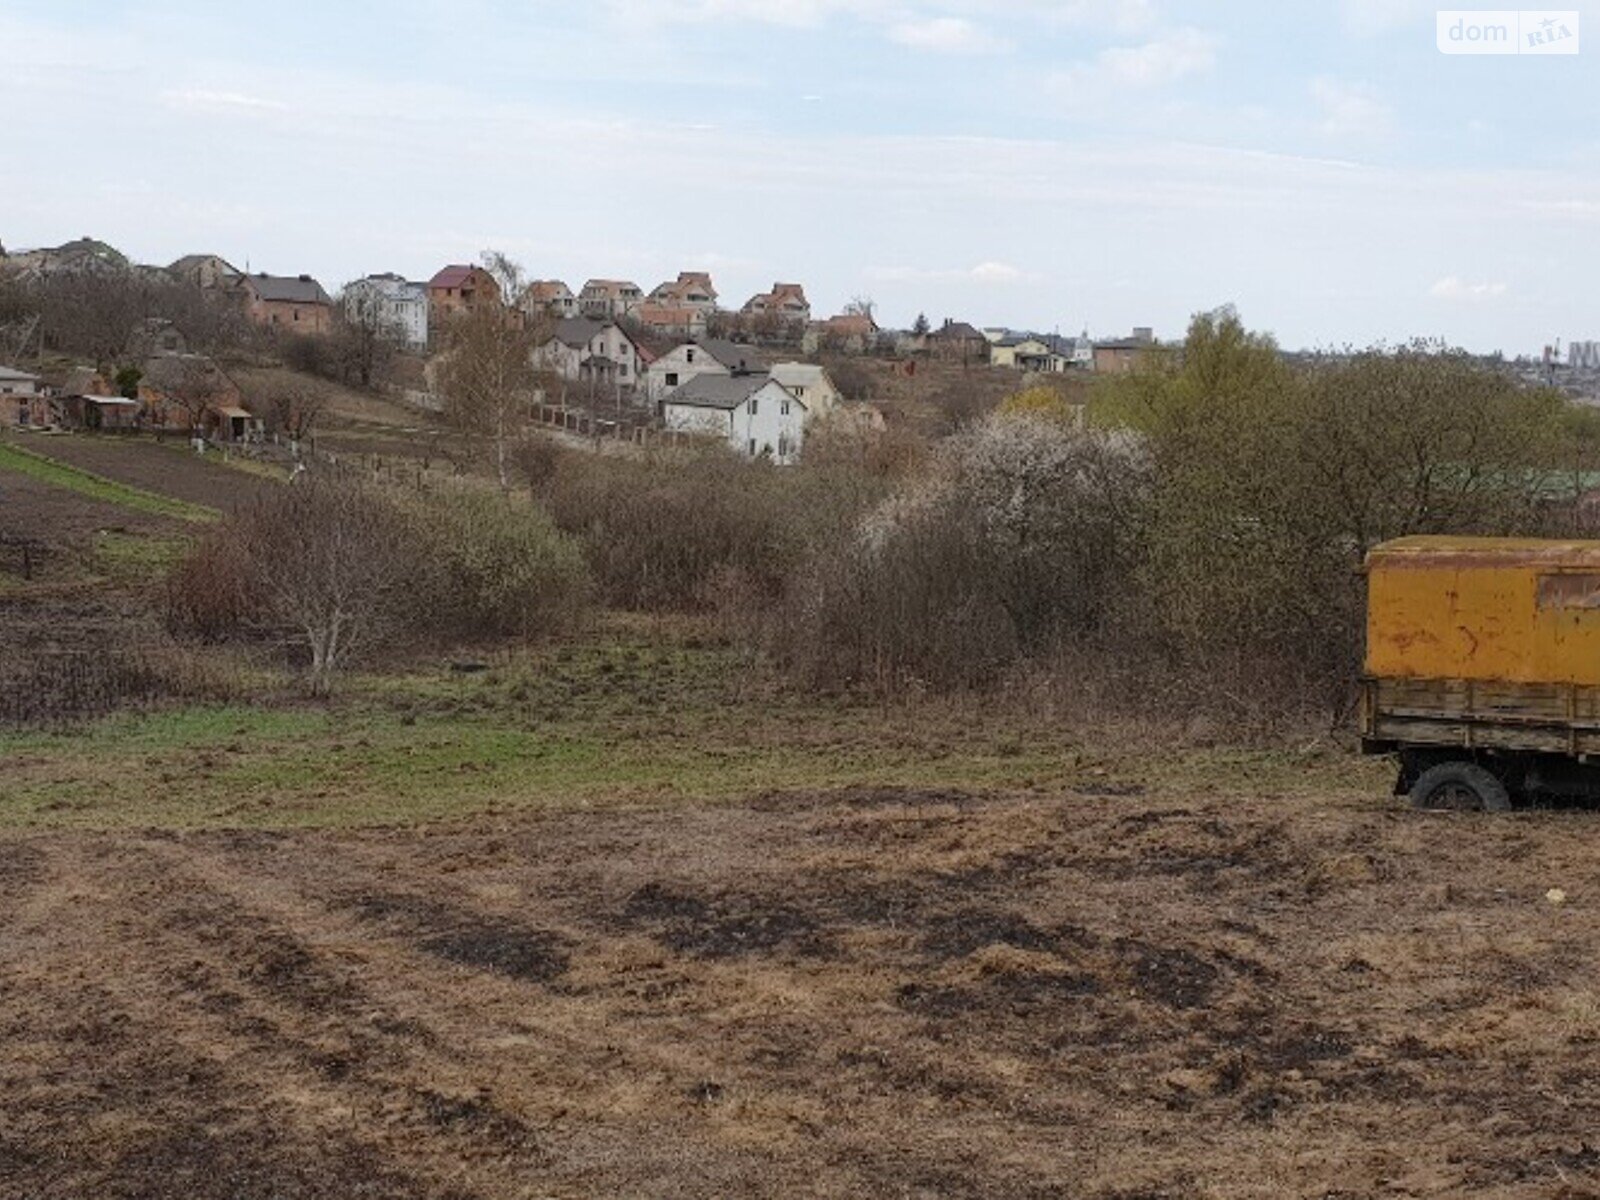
1044,164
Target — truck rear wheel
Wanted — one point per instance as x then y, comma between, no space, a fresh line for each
1460,787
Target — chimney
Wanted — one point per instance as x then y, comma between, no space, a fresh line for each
305,279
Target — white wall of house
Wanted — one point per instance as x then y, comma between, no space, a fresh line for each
674,369
610,341
771,422
18,383
402,307
810,384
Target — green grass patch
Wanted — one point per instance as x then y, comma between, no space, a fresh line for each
131,558
98,487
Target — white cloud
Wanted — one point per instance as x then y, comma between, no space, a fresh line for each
947,35
210,101
1163,60
1350,110
1453,287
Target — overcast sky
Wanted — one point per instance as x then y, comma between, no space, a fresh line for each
1039,163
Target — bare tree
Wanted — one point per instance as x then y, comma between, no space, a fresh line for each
334,564
291,405
487,375
191,384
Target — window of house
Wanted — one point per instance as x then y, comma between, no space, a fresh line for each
752,447
297,314
755,406
783,409
672,379
622,370
783,445
689,354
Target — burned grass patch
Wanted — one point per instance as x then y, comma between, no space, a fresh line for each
482,943
723,925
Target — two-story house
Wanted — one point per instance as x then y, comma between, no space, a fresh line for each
581,350
609,298
755,414
692,289
785,304
709,356
392,305
549,297
291,303
459,289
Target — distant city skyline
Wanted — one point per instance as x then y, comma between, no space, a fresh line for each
1063,165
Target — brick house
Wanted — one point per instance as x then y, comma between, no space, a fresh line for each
609,298
459,289
292,303
692,289
785,304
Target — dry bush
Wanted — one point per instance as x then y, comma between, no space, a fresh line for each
53,685
656,532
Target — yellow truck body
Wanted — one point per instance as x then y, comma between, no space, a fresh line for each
1486,644
1490,609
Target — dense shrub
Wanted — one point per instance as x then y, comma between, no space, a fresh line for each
345,570
657,533
500,568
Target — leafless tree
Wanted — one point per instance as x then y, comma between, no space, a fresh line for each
331,562
190,383
291,405
487,375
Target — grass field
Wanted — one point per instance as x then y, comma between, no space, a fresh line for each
625,720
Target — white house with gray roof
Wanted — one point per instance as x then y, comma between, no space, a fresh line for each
707,356
755,414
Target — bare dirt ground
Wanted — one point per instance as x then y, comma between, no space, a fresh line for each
873,993
168,469
54,514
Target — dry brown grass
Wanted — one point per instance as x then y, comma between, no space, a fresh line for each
879,992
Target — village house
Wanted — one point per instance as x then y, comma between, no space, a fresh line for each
847,333
809,383
692,289
549,297
785,304
87,400
755,414
292,303
459,289
671,320
957,341
580,350
603,299
22,403
191,394
1122,355
209,272
709,356
392,304
1027,352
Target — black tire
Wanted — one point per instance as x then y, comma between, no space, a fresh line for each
1460,787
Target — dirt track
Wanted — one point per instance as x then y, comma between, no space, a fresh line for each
878,994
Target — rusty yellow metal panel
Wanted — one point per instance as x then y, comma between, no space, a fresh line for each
1514,610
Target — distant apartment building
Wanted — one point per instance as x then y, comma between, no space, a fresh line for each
392,304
